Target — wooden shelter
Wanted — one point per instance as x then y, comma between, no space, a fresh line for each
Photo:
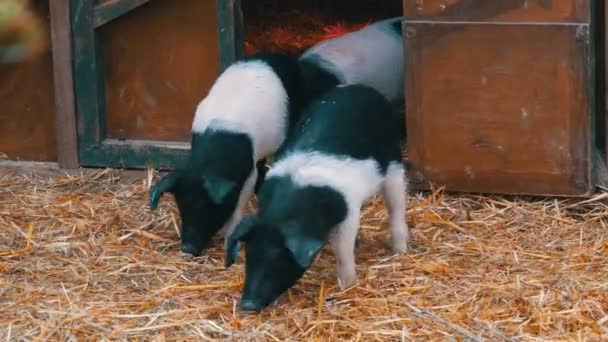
502,96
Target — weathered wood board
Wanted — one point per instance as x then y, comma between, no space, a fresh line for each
499,96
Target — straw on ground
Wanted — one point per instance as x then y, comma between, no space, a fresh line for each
84,258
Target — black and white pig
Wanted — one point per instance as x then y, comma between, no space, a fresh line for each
373,56
345,149
244,118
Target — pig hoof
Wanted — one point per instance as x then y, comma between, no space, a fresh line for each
346,282
400,248
399,241
399,245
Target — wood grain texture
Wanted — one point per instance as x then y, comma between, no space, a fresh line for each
499,108
159,60
67,137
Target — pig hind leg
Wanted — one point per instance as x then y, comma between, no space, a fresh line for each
395,198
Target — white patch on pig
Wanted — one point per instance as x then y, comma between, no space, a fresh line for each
394,190
372,56
357,181
249,98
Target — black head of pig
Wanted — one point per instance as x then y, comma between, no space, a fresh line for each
283,240
205,204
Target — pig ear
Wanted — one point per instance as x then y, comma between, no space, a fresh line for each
166,184
303,248
232,244
218,188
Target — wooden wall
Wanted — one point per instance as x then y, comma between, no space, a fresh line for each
27,112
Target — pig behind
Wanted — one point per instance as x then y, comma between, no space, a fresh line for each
371,56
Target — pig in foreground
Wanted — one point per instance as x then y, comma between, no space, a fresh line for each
244,119
345,149
372,56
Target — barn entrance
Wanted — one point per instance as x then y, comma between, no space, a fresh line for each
292,26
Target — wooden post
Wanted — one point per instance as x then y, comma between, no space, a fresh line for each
67,138
230,31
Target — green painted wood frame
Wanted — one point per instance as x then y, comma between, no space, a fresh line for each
95,148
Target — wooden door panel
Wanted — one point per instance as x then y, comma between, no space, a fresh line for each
499,108
159,62
140,67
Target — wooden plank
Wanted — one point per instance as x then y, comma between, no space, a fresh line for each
509,115
112,9
498,11
137,154
67,137
155,97
230,40
239,30
88,76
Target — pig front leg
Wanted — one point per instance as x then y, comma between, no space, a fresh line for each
395,198
237,215
344,248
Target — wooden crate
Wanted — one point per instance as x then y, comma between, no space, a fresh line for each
501,95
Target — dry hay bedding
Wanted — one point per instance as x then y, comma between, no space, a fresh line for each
84,258
295,35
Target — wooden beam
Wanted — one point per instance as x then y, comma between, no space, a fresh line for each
136,154
113,9
239,30
88,71
229,21
67,138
